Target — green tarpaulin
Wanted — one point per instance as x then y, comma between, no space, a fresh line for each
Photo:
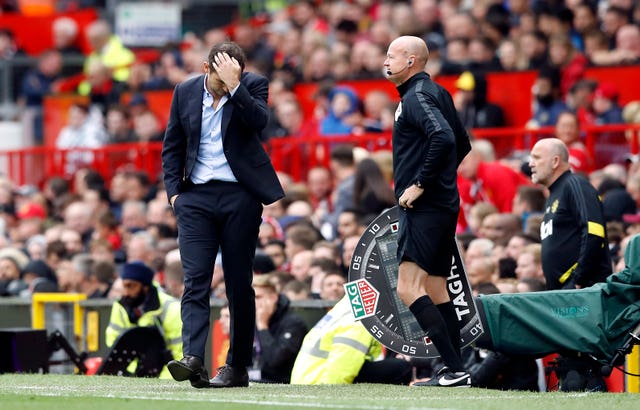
593,320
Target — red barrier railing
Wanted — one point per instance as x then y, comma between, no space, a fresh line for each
294,156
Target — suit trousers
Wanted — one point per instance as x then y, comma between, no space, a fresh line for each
218,215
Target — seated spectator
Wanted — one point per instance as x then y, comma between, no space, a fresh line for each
531,285
626,51
38,277
340,350
500,227
343,112
8,50
510,56
529,200
530,263
534,46
12,262
279,334
471,102
118,124
378,112
146,127
457,53
36,84
319,270
100,278
301,264
571,62
483,181
567,129
65,38
548,102
481,270
289,116
585,19
580,98
366,59
372,194
482,55
83,130
296,290
605,105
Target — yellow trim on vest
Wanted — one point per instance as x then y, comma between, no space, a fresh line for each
568,273
595,228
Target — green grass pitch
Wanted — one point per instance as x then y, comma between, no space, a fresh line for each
71,392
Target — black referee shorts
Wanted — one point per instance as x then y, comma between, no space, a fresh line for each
427,239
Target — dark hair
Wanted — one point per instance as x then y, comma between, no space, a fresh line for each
532,196
371,192
108,219
343,154
230,48
535,284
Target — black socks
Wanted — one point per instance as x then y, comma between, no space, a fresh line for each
451,319
436,326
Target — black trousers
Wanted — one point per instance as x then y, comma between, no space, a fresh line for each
212,216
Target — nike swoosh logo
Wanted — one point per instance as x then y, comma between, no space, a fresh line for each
448,382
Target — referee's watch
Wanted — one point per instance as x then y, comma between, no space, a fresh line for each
418,184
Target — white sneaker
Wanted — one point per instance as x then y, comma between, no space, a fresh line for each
447,378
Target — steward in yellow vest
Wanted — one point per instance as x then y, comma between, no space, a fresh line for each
144,304
339,350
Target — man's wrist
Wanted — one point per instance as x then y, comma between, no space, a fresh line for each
418,184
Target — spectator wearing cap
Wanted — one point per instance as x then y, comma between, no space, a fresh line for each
605,105
38,277
471,102
145,304
12,262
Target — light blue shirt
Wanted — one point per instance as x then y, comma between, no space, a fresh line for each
211,163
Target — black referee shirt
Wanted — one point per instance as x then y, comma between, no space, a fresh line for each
574,238
429,142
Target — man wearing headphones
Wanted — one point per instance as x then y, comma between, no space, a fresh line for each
429,142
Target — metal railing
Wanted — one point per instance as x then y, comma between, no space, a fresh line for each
294,155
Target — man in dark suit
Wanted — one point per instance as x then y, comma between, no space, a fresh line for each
217,176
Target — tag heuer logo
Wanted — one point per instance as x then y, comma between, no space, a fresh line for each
363,298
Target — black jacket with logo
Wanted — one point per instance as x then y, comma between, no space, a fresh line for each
429,142
574,237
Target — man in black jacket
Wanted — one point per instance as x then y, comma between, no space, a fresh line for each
575,251
279,334
429,142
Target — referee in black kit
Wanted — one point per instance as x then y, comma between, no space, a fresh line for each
429,142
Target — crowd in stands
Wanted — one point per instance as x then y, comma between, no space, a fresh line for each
327,42
74,236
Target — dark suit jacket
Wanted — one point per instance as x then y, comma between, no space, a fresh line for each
243,118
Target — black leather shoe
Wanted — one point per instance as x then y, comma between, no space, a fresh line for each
230,377
189,368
